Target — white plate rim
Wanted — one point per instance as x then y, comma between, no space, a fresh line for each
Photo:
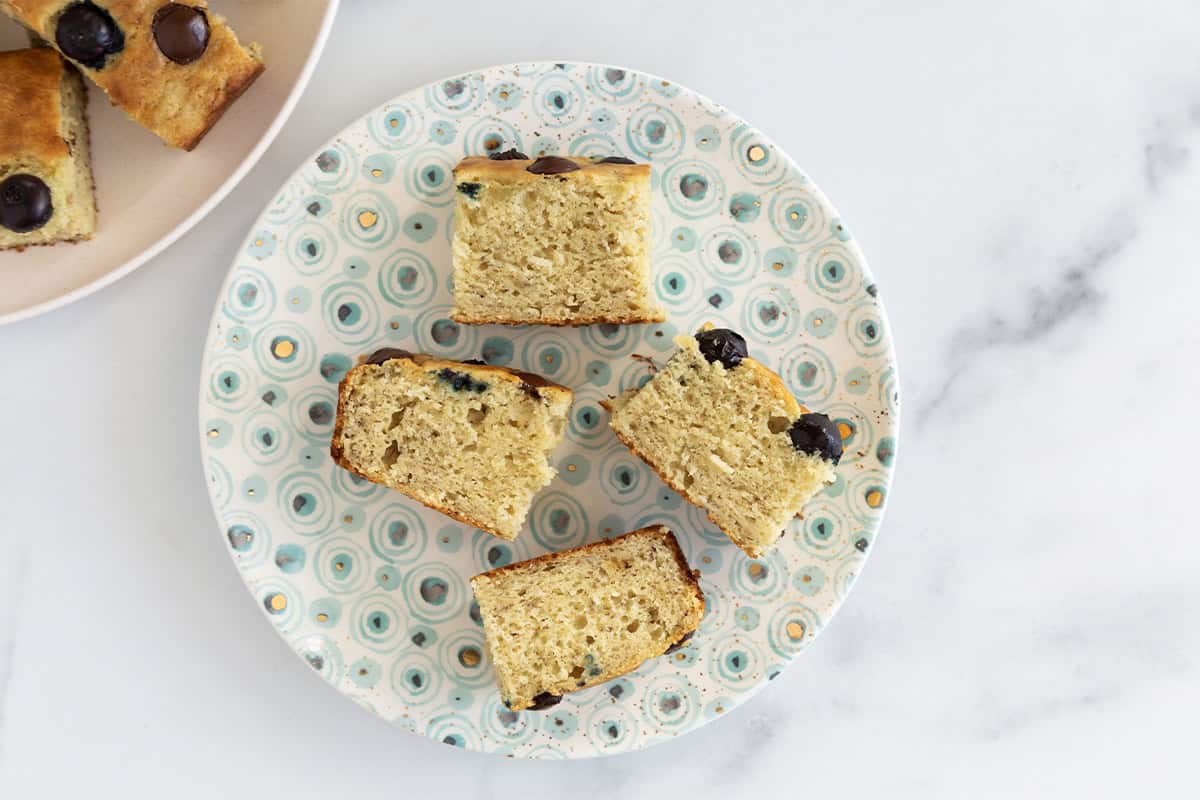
169,238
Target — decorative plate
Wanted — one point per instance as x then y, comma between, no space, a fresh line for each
145,208
370,588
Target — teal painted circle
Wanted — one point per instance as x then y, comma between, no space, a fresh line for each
429,174
368,220
397,125
379,168
247,536
693,189
490,135
416,678
557,521
305,503
377,622
434,593
249,296
407,279
325,612
353,255
398,534
290,558
350,312
341,565
311,248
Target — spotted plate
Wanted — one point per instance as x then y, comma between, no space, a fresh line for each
370,588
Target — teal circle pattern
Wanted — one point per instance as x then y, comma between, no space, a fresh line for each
370,588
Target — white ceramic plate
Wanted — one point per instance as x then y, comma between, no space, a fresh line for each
148,194
371,588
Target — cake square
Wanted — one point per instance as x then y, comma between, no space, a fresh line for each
46,191
173,68
723,431
556,241
470,440
573,619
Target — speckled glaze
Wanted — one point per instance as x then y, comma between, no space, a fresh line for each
371,588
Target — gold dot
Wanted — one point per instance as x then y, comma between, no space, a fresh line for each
720,709
339,565
393,122
348,519
278,602
249,537
874,498
367,219
258,242
778,265
385,577
491,143
322,617
707,559
680,656
756,153
377,173
213,433
818,322
756,570
571,468
471,657
856,382
234,339
503,95
295,301
394,326
845,431
362,671
250,492
704,140
795,631
795,215
284,348
806,578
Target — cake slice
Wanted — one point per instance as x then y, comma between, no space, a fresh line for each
464,438
724,431
569,620
46,192
556,241
173,68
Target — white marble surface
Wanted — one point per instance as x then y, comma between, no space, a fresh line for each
1023,177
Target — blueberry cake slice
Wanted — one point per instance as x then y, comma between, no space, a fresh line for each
464,438
724,431
46,192
173,67
569,620
552,241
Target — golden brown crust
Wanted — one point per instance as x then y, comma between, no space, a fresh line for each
31,106
178,102
575,322
688,626
482,168
431,364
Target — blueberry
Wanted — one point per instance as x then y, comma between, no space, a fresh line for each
616,160
552,165
512,154
181,32
816,434
545,700
471,190
86,33
24,203
722,344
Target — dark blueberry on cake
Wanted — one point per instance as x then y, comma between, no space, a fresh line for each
722,344
816,434
86,33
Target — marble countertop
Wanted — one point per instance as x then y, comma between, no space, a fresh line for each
1023,177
